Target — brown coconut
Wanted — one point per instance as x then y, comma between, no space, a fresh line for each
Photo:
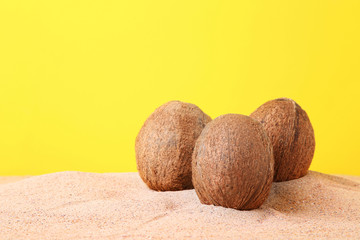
292,136
233,163
165,144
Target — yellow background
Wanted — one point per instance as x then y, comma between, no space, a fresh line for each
79,78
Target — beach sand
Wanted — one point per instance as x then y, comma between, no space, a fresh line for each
79,205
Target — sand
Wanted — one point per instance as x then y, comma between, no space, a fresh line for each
78,205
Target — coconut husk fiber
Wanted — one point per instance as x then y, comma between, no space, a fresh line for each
78,205
233,164
292,136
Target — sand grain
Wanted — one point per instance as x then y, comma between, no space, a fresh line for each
78,205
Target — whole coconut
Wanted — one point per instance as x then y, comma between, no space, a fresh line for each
165,144
233,163
292,136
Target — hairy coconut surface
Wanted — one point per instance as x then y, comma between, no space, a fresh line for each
233,163
165,144
292,136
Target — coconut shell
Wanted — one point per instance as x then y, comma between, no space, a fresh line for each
165,144
292,136
233,163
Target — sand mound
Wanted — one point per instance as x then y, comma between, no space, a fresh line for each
77,205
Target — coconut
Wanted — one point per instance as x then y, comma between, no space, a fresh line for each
233,163
292,136
165,144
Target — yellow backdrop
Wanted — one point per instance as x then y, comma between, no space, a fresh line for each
79,78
